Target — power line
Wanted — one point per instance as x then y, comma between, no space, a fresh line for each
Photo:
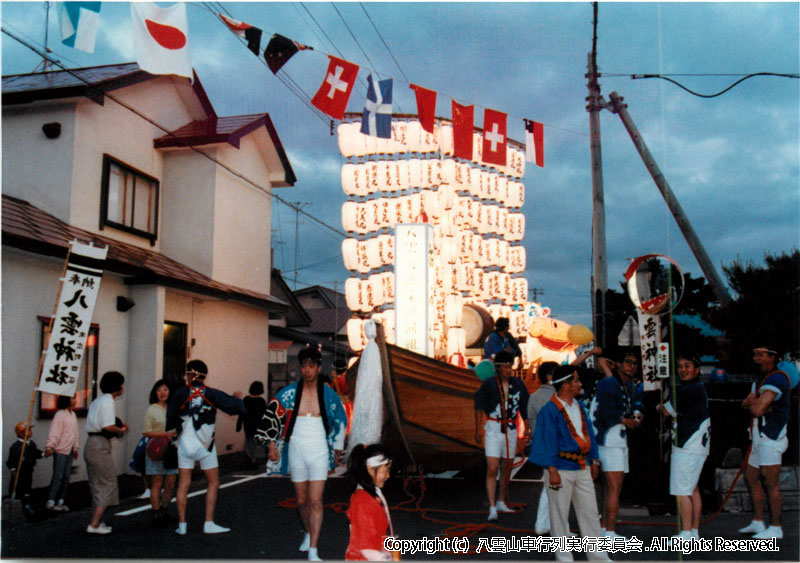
678,84
171,134
384,42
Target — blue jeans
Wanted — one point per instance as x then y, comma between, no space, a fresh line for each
62,468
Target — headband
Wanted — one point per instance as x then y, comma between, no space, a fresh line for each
565,377
377,460
767,350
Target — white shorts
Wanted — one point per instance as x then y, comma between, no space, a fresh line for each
684,471
767,451
613,459
191,451
494,441
308,450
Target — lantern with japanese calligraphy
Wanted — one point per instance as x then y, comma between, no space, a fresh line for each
349,249
351,141
356,338
446,139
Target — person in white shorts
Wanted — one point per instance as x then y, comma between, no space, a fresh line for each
304,427
192,413
769,404
691,443
500,398
613,413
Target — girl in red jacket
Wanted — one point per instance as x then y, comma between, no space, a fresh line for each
370,523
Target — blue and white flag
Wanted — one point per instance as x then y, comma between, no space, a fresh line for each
377,119
79,23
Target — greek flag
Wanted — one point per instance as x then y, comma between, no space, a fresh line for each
377,119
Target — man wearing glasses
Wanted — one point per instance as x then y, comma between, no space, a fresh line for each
615,409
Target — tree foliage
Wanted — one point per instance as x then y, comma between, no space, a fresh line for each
766,310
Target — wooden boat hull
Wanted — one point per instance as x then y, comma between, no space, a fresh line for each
429,410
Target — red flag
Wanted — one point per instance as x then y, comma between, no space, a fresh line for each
494,137
463,119
534,142
335,90
426,106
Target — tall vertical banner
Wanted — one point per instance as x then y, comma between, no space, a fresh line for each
649,335
414,281
76,301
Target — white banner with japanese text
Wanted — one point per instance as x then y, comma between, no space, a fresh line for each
649,336
65,349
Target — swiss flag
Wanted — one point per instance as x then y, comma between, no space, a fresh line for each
161,38
426,106
463,122
494,137
335,90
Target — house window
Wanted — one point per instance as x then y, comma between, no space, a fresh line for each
129,200
87,382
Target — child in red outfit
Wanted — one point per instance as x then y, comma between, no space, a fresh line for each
367,470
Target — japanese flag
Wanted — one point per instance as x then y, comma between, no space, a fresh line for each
494,137
161,38
335,90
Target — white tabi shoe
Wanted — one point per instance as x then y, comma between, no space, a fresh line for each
769,533
212,528
304,546
503,507
492,514
753,527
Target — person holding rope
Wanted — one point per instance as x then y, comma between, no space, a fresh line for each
564,445
304,427
692,442
192,413
768,402
500,398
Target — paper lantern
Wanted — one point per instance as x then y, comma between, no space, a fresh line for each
446,139
449,167
454,305
349,211
373,176
351,141
355,334
399,136
429,204
413,133
414,173
349,249
362,259
477,148
456,341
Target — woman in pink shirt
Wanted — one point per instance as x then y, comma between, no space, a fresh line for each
62,444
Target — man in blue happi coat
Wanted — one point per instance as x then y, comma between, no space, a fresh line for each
564,445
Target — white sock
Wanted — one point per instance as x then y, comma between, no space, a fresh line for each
696,533
181,528
312,554
304,546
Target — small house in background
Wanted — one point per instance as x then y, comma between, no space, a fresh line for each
112,155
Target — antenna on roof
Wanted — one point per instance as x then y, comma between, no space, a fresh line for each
45,64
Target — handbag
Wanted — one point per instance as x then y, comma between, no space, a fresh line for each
137,462
171,457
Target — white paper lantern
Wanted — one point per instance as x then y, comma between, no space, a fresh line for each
349,249
349,212
446,139
356,338
401,170
456,341
351,141
414,173
429,204
399,129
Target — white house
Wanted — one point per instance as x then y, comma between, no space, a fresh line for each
142,164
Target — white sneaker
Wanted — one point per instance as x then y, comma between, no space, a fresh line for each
492,514
304,546
50,505
101,529
61,507
770,532
145,494
753,527
181,529
313,555
503,507
212,528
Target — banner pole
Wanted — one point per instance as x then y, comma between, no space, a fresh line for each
45,344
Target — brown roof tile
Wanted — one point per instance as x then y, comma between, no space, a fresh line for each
29,228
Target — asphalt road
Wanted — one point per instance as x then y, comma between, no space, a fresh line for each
264,525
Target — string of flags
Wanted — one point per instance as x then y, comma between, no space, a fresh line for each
161,46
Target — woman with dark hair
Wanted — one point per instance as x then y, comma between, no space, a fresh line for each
155,422
62,444
101,422
691,435
367,471
255,405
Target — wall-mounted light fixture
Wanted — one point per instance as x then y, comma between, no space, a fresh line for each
124,304
52,130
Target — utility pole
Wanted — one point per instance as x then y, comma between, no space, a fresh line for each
298,205
599,257
675,208
537,291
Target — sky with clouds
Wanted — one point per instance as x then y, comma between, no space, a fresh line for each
733,161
